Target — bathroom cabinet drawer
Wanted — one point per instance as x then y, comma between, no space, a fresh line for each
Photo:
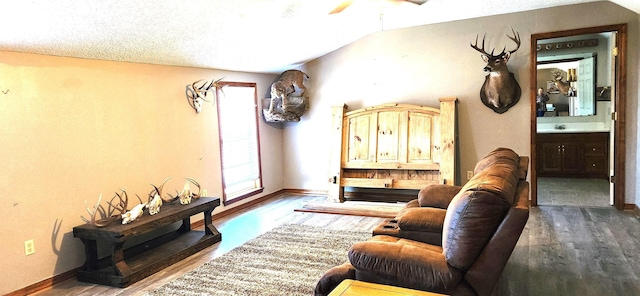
594,164
595,148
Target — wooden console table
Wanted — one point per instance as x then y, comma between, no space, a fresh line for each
129,264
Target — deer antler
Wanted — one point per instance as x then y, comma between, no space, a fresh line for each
201,89
109,216
515,38
482,51
195,95
557,74
158,191
123,203
195,91
92,212
194,182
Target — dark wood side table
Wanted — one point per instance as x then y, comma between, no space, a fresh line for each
126,266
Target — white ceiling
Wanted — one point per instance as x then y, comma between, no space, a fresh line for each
265,36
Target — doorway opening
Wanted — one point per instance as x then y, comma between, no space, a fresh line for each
579,157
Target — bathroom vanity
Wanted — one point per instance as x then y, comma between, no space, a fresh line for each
568,153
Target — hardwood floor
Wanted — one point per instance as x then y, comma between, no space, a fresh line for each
568,250
564,250
236,229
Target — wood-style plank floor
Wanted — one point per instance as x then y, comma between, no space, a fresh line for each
580,192
564,250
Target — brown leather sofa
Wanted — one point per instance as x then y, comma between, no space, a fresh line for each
452,240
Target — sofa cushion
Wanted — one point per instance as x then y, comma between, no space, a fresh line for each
477,210
406,262
501,178
471,220
497,155
437,196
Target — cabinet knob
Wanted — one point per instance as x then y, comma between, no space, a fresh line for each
593,165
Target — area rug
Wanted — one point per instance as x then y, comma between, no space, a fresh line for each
288,260
357,208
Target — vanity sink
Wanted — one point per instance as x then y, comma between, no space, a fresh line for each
573,127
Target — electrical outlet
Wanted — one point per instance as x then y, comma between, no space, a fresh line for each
469,175
29,248
204,192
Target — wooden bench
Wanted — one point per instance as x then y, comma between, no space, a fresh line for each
128,264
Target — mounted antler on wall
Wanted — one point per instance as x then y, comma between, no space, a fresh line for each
196,96
500,90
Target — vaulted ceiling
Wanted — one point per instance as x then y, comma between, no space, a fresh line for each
241,35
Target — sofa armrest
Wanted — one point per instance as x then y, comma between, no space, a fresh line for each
437,196
407,263
333,277
421,219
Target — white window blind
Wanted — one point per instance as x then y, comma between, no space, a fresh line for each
240,149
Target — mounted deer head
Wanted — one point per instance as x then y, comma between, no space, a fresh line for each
564,87
500,90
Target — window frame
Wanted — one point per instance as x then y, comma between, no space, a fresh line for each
259,187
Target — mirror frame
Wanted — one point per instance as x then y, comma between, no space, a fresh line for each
619,101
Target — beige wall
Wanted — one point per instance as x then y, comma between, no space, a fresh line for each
420,64
634,85
72,129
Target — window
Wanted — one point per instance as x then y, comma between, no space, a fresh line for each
239,140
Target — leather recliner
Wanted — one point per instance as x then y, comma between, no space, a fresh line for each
422,218
480,228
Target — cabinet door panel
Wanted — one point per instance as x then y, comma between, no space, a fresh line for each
573,158
419,137
389,135
359,138
551,157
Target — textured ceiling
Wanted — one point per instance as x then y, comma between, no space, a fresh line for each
242,35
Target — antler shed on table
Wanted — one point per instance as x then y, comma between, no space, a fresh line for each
113,212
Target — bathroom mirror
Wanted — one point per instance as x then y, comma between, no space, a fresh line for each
570,69
569,81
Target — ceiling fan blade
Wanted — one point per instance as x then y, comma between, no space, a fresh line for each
341,6
419,2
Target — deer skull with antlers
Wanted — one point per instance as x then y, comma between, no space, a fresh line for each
196,95
500,90
186,194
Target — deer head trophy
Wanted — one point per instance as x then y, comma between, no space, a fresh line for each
564,87
500,90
